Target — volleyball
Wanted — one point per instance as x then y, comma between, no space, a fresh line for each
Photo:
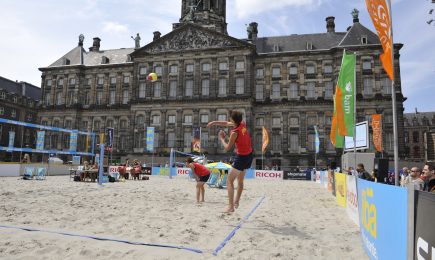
152,77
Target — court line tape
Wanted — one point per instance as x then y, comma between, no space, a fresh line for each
104,238
219,248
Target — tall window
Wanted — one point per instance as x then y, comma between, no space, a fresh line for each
140,119
123,142
171,119
276,91
276,72
173,69
49,82
204,118
171,139
189,88
97,125
293,71
157,89
60,83
206,67
293,91
87,97
13,113
222,87
294,142
72,81
311,69
276,142
259,121
276,121
59,98
294,121
367,65
240,86
126,79
312,120
311,138
123,124
142,71
100,81
327,68
415,136
156,120
112,98
14,99
204,140
99,100
156,140
142,89
189,68
223,66
311,92
329,90
368,90
159,70
71,97
259,91
259,73
240,65
205,87
112,80
173,88
222,117
187,139
109,123
389,141
386,86
188,119
125,96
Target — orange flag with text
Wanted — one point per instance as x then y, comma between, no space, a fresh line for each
377,131
380,14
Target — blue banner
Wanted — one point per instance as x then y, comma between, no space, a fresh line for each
383,219
11,140
40,139
317,140
150,139
76,160
109,141
73,142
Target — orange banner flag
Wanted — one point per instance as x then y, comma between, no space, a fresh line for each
265,140
380,14
377,131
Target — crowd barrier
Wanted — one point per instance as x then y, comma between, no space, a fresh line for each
395,222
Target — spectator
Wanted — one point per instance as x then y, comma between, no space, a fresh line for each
26,158
429,173
414,177
404,177
350,171
362,173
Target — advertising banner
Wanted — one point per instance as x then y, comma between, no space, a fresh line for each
109,140
295,176
150,139
40,138
383,219
352,199
183,172
11,140
269,175
196,140
114,171
340,188
317,176
424,240
73,142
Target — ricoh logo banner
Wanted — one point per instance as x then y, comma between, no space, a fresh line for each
183,172
269,175
383,219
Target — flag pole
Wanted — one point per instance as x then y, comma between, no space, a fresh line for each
354,117
393,97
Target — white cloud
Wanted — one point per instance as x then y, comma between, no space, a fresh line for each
246,8
114,27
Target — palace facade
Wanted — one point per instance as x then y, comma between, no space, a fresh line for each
284,83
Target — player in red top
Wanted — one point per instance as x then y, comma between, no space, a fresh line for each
244,154
201,174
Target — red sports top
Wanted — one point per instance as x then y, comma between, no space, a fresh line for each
200,169
243,140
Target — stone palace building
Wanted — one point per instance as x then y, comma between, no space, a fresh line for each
285,83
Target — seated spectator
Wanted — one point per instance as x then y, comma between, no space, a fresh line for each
429,173
86,167
94,172
362,173
350,171
26,158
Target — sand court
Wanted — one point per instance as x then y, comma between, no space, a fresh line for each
296,220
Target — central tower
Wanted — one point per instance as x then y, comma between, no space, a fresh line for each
210,14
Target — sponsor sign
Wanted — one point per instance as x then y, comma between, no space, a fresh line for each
160,171
150,139
11,140
183,172
295,176
352,199
424,240
383,219
40,138
147,170
269,175
73,142
114,171
340,188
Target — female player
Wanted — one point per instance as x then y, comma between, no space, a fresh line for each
244,154
201,174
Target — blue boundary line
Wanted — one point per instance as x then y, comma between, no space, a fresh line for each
104,238
216,251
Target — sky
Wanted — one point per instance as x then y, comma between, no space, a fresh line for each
37,33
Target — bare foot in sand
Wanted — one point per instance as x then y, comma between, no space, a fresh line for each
236,205
229,210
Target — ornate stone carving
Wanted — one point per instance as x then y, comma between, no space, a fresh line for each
191,39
